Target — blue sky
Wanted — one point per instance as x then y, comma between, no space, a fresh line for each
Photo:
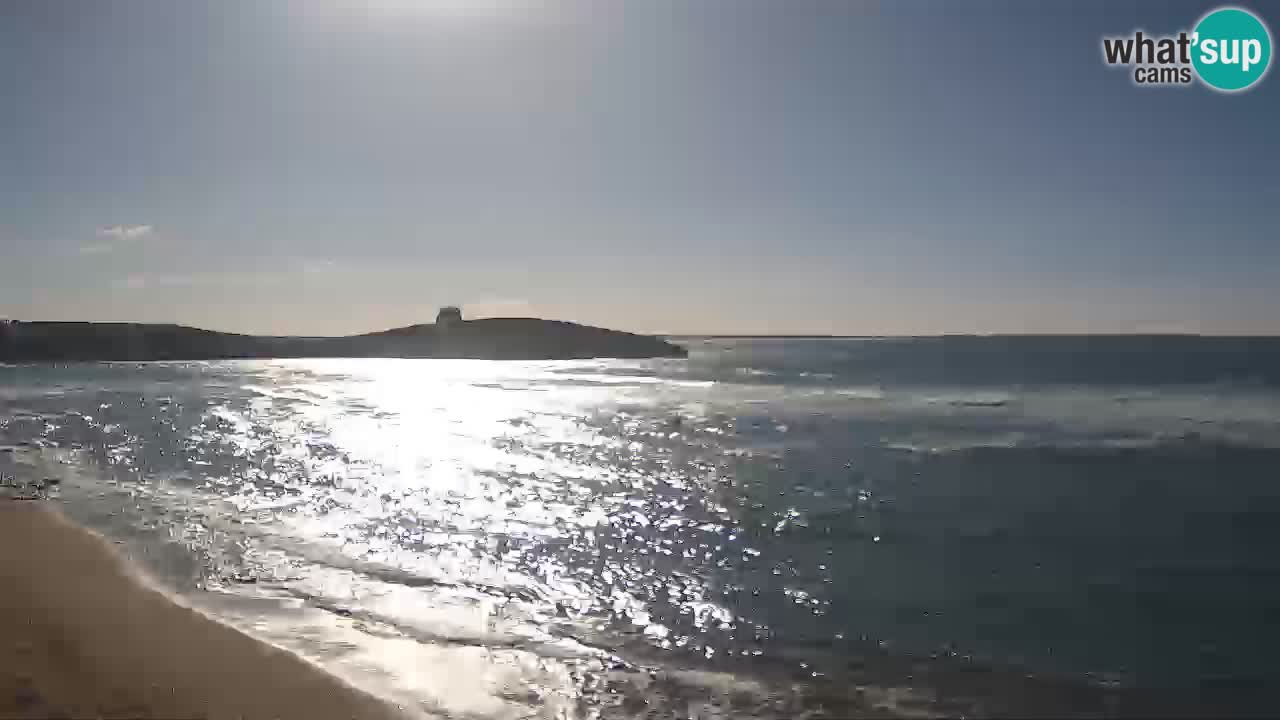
721,166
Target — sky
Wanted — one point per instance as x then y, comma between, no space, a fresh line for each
718,166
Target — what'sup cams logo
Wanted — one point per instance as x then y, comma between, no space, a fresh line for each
1229,50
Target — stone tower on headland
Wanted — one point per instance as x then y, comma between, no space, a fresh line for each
448,317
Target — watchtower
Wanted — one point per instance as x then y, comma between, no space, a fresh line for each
448,317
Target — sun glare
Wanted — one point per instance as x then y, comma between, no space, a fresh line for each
456,8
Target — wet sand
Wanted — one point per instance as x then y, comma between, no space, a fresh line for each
82,636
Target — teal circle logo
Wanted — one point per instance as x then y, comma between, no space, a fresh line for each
1231,49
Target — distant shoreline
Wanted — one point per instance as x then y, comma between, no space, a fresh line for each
971,335
489,339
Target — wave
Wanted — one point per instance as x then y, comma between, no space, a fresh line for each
861,393
1076,446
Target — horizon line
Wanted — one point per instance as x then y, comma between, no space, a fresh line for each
717,336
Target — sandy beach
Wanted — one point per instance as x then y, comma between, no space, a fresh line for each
82,636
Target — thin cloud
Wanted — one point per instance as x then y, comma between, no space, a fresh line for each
114,234
125,232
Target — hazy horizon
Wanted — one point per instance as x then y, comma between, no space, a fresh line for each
728,168
696,335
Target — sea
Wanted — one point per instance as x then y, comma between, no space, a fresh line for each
770,528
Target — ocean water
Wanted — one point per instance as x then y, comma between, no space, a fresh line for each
769,528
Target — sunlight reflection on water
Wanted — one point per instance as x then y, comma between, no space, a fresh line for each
463,472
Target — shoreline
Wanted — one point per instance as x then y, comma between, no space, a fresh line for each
84,635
